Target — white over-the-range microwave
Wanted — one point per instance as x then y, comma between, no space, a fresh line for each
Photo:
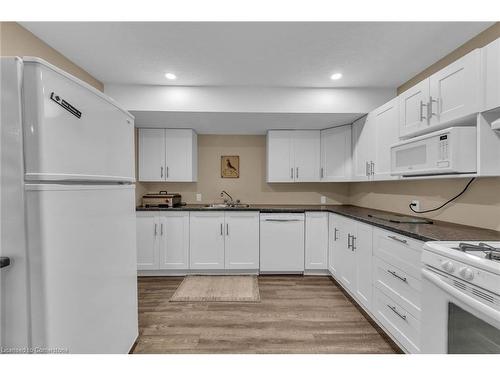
447,151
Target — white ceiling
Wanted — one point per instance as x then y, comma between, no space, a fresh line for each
240,122
296,54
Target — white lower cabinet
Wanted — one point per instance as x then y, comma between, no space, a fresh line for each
162,240
174,240
148,243
224,240
242,240
316,241
206,240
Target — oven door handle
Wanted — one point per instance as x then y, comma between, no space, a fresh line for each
482,308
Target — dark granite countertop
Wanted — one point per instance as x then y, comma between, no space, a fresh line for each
438,231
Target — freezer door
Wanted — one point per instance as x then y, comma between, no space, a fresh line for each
72,132
83,268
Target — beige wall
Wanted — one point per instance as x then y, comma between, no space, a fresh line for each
15,40
480,40
251,187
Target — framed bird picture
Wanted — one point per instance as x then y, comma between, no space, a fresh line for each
230,166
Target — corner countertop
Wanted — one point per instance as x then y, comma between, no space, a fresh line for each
438,231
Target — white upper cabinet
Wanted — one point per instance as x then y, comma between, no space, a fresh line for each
385,135
363,148
151,154
490,56
413,113
316,241
280,158
455,90
242,240
450,96
306,147
293,155
168,155
336,154
181,150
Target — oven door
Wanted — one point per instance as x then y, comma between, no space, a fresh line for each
458,317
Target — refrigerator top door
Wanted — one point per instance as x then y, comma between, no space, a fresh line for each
72,132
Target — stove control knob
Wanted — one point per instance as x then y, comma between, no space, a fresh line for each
447,266
466,273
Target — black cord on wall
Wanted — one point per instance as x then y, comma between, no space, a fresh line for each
445,203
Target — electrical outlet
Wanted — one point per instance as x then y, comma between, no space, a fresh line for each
323,199
416,205
198,197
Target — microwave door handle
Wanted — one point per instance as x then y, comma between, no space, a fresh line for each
462,297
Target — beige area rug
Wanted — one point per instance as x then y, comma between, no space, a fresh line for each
217,289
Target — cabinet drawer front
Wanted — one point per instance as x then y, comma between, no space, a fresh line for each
399,251
398,285
398,321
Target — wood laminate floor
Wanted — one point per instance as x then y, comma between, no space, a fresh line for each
296,315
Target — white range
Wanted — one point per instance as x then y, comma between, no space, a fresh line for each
461,297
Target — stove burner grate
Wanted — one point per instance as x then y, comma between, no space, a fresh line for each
490,252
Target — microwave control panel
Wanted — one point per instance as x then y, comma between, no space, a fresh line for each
443,152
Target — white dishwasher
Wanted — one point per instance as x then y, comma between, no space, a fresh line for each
282,243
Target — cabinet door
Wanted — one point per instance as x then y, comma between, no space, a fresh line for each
336,241
242,240
491,75
413,111
347,256
455,89
385,135
363,259
363,147
306,148
280,166
179,155
147,241
151,154
174,240
336,154
316,257
206,238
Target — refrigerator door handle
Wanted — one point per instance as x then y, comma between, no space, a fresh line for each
4,262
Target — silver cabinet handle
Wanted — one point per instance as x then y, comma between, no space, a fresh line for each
161,229
156,229
4,262
297,172
394,273
372,168
161,172
335,231
353,245
221,232
422,117
367,169
291,173
227,229
321,172
430,110
398,239
167,172
348,240
393,308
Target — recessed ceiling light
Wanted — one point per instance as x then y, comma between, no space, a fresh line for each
336,76
171,76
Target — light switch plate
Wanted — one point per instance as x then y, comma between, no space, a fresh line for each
198,197
323,199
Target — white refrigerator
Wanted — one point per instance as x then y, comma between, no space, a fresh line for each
67,214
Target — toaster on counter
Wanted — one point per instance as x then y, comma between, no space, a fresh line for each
161,199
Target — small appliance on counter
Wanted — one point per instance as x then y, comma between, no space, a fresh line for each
162,199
